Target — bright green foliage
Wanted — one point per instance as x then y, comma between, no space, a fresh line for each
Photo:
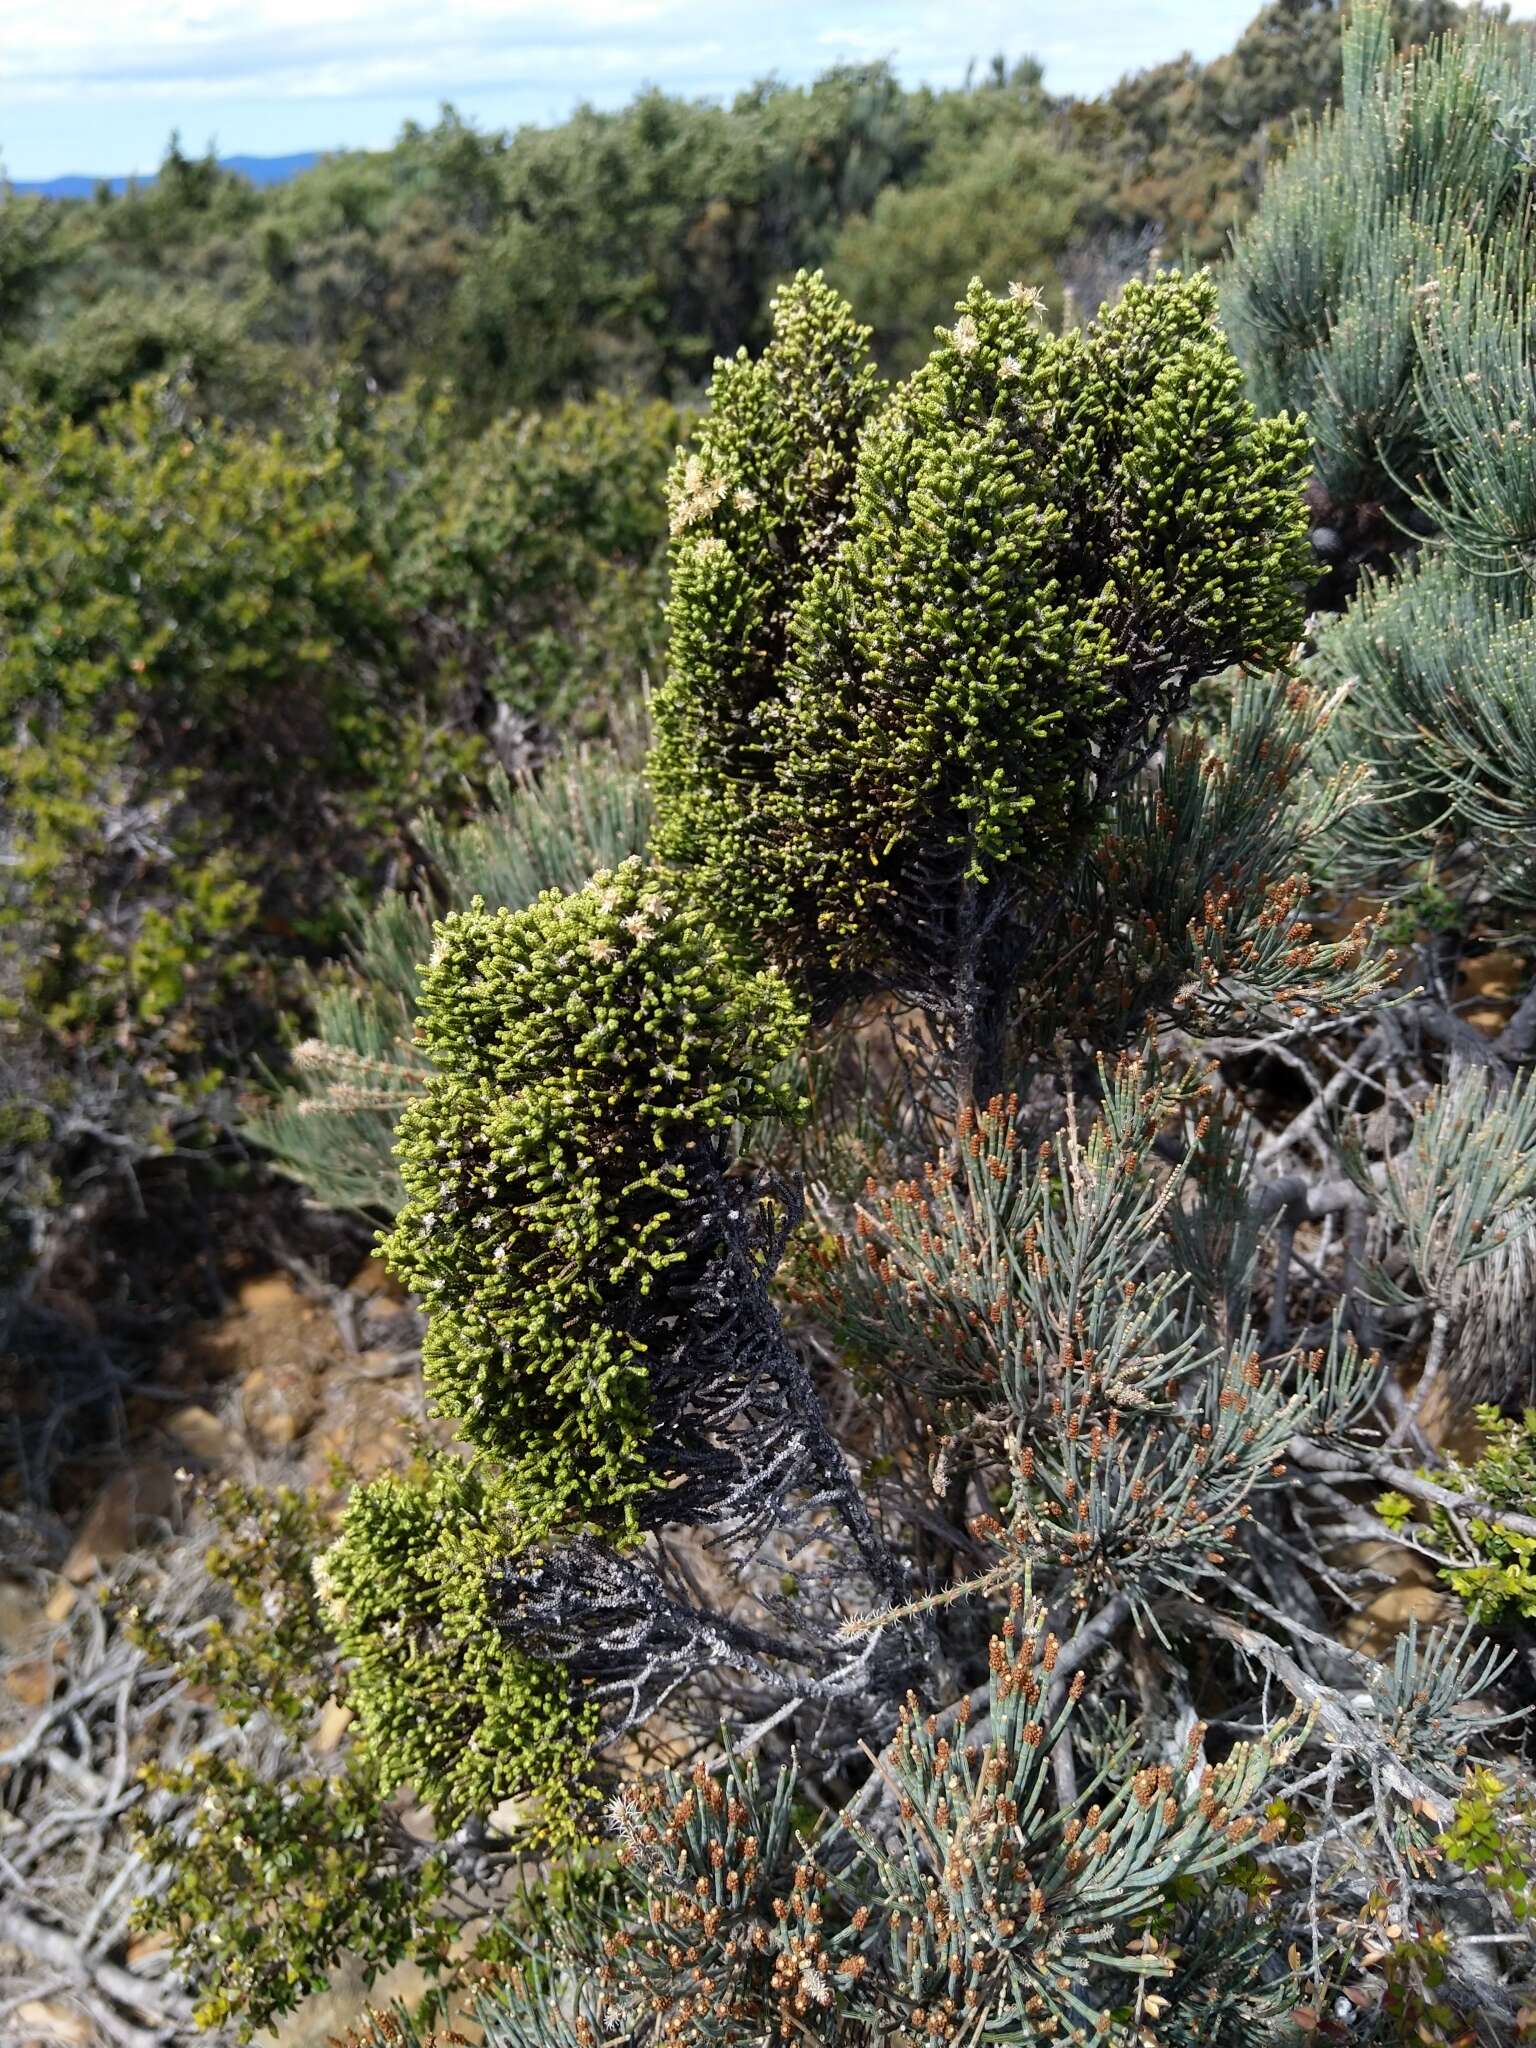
278,1654
587,1051
1499,1583
272,1883
1493,1833
756,504
333,1124
1492,1837
1037,524
442,1703
1048,541
320,1845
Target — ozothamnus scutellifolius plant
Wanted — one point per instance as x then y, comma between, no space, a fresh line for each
759,500
443,1703
591,1055
880,742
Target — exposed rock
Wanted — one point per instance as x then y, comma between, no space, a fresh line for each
367,1425
1491,984
200,1431
1380,1624
384,1365
61,1601
389,1325
143,1946
142,1494
334,1723
19,1611
31,1683
271,1319
374,1277
279,1402
49,2019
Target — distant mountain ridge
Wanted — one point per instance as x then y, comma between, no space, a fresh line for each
260,170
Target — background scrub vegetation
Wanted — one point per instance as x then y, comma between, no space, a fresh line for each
891,939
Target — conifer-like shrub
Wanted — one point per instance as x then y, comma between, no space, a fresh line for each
1418,175
568,1178
757,502
967,1893
1381,287
1040,545
1439,705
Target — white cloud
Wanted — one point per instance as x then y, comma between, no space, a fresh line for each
308,48
97,85
201,50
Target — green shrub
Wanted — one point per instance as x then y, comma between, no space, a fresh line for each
186,611
1001,204
269,1862
332,1125
443,1705
590,1055
899,682
525,558
271,1884
235,662
756,503
1497,1581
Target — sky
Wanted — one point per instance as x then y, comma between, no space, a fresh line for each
97,86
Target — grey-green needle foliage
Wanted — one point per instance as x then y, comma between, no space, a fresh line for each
1438,704
1040,544
1382,286
1331,295
973,1909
